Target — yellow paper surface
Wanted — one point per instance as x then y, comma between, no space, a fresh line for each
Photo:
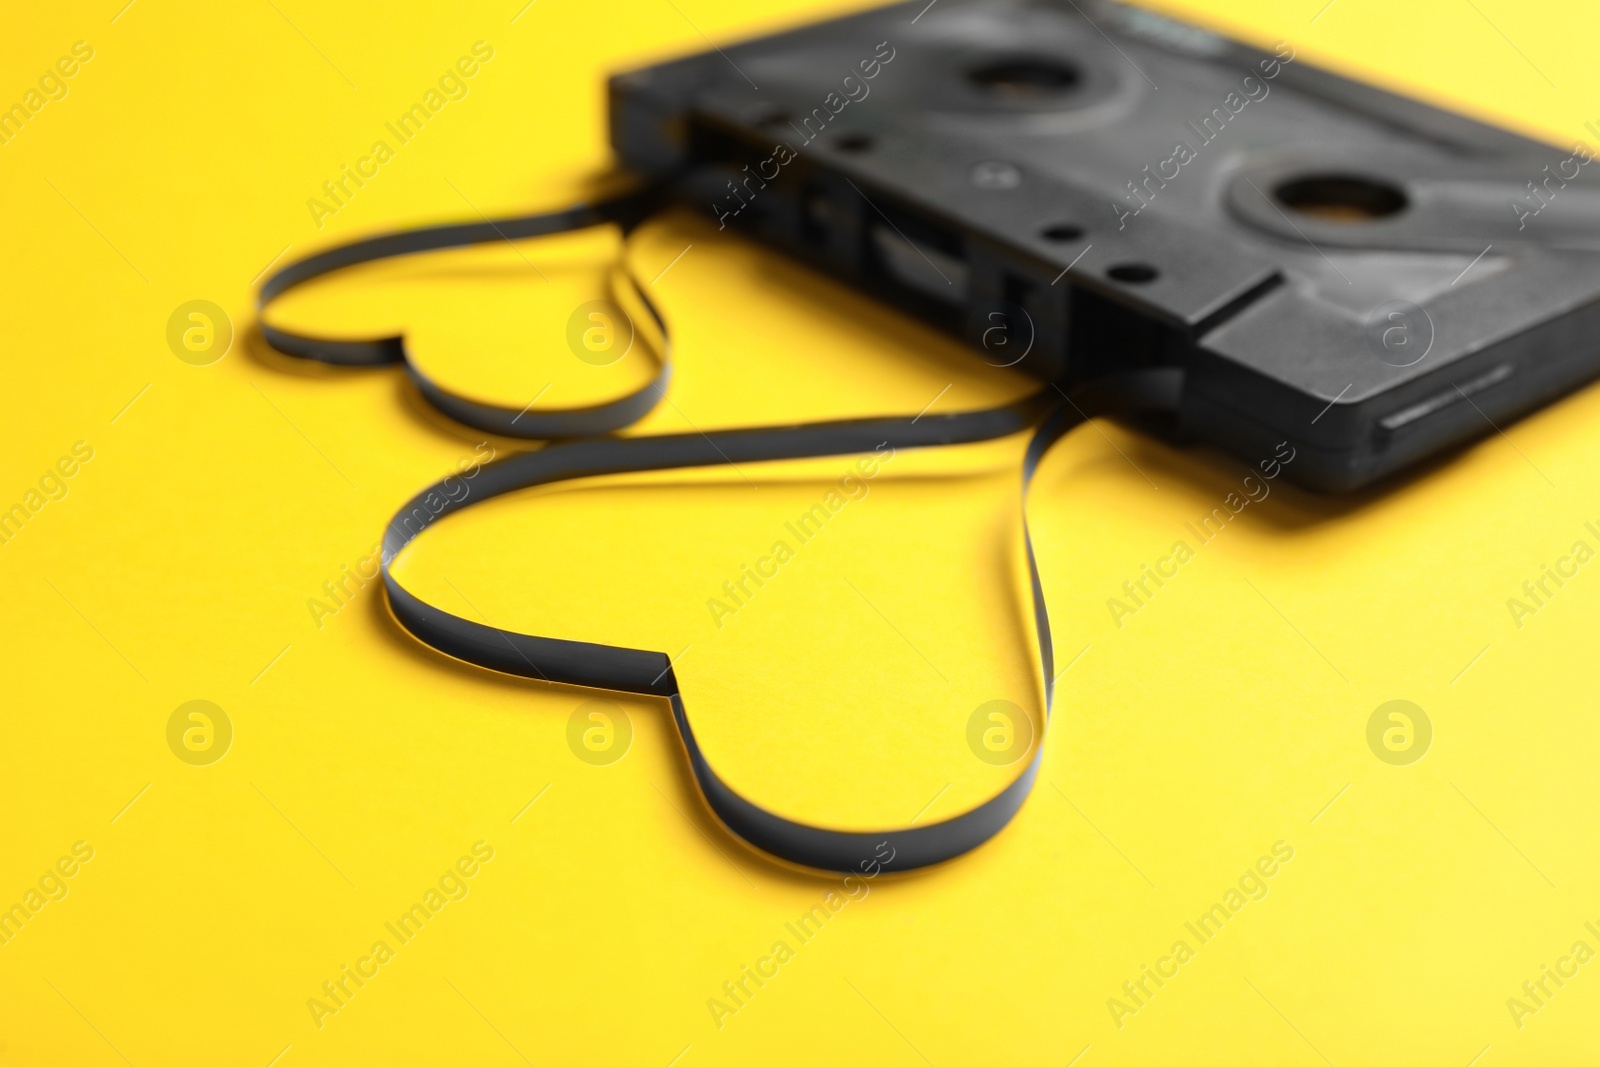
1197,742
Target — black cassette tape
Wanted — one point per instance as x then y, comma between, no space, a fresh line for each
1079,187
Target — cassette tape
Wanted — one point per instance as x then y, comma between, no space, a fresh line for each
1081,187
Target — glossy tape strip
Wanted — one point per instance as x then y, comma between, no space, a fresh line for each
593,452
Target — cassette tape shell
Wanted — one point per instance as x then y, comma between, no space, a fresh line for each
1076,188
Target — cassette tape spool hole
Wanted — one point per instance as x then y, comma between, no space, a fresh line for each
1341,197
1026,78
1044,85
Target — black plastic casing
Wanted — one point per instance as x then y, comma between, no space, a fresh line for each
1333,266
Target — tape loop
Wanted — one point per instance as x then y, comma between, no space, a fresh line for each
588,454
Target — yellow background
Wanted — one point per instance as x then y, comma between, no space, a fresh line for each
1223,717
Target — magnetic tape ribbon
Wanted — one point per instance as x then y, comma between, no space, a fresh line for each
590,451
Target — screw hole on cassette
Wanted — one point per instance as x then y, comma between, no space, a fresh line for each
1341,197
1026,77
1061,231
1133,273
853,142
